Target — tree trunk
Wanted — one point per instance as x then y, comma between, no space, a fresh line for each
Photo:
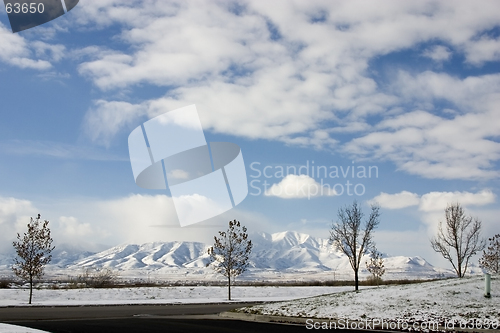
356,282
31,289
229,287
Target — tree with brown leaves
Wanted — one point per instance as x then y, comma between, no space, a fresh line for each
460,238
491,258
229,255
352,238
33,251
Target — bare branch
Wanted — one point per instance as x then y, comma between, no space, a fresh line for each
459,240
349,237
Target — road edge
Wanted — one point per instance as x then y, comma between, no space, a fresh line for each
303,321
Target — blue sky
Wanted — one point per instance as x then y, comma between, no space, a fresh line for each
409,89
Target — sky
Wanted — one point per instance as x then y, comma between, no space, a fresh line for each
392,103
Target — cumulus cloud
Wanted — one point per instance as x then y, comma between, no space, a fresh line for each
69,226
433,201
431,208
446,146
54,52
273,71
99,223
482,50
94,223
244,80
299,186
14,216
396,201
195,208
17,51
438,53
437,201
133,217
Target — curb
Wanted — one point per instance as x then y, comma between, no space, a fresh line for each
263,318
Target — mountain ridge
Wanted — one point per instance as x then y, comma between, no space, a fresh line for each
283,252
288,253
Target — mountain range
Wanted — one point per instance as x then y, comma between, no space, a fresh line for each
284,255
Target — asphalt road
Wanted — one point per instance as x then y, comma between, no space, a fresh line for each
13,314
157,325
140,318
136,318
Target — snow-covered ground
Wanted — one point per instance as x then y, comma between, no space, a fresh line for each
7,328
159,295
461,300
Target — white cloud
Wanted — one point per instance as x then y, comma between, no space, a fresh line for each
105,119
448,146
433,201
437,201
302,82
89,222
14,216
132,218
11,207
482,50
431,208
15,50
396,201
299,186
284,94
438,53
195,208
69,226
42,49
178,174
94,223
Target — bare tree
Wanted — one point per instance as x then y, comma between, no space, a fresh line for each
376,266
491,258
352,238
33,251
230,253
460,239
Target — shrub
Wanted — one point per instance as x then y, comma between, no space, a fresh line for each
5,283
98,278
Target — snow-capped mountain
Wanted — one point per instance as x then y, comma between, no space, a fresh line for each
150,256
286,255
273,255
